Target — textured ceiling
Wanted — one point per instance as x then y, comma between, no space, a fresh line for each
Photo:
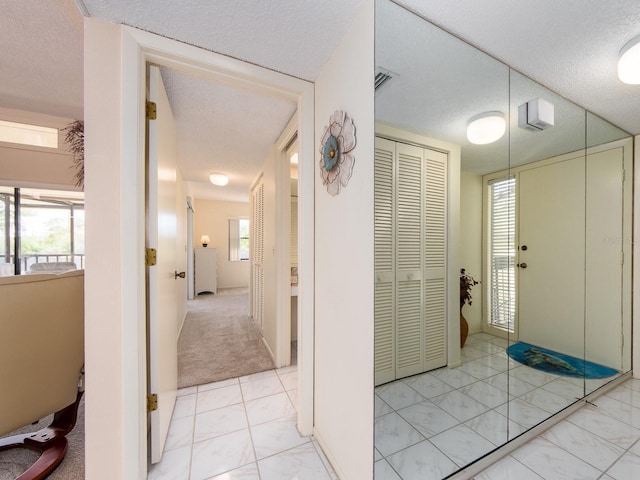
441,82
290,36
223,129
571,46
41,57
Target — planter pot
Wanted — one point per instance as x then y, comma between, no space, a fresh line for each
464,330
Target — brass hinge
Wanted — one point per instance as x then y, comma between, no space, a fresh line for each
152,112
152,402
150,257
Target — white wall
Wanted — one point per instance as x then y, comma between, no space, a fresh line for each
471,243
344,263
105,435
212,218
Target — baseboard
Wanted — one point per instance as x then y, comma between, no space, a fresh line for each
184,318
273,357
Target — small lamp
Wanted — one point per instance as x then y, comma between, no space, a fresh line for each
204,239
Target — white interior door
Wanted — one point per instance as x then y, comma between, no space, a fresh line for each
162,289
551,205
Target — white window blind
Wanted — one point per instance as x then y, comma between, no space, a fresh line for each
502,289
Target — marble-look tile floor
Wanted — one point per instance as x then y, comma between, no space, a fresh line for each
599,441
429,426
240,429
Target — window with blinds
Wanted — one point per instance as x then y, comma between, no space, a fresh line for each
502,288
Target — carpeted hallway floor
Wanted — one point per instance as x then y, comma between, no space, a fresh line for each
219,341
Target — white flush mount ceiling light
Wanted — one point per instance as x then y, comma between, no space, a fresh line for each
219,179
629,62
486,128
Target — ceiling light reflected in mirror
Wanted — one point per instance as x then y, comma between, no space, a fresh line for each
486,128
629,62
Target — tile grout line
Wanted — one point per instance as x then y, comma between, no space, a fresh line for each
253,446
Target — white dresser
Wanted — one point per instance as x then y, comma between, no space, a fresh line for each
206,270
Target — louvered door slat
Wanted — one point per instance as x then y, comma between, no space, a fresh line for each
409,350
384,306
384,334
435,211
409,207
435,324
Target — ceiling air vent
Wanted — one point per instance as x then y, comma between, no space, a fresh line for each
382,77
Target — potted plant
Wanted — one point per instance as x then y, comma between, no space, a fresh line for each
467,282
74,138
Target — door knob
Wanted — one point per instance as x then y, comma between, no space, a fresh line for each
181,274
522,265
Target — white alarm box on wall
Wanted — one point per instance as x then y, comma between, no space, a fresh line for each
205,270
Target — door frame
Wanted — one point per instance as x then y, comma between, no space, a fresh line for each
137,49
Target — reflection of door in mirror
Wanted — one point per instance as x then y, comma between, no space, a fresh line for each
411,207
292,155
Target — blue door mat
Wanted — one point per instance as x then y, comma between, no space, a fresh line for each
557,363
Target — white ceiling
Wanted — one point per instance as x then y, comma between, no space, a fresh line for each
41,57
570,46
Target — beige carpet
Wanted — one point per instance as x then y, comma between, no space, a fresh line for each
14,462
219,340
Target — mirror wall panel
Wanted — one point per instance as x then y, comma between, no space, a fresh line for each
547,158
438,84
541,217
609,163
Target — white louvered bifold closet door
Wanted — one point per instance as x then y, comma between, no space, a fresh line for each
410,260
409,238
384,308
435,260
257,254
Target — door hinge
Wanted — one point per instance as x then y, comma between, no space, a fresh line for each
150,257
152,402
152,112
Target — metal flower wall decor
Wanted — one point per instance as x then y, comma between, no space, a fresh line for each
336,161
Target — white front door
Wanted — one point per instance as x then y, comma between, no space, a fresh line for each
161,282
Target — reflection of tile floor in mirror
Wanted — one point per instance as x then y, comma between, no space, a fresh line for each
428,426
242,428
